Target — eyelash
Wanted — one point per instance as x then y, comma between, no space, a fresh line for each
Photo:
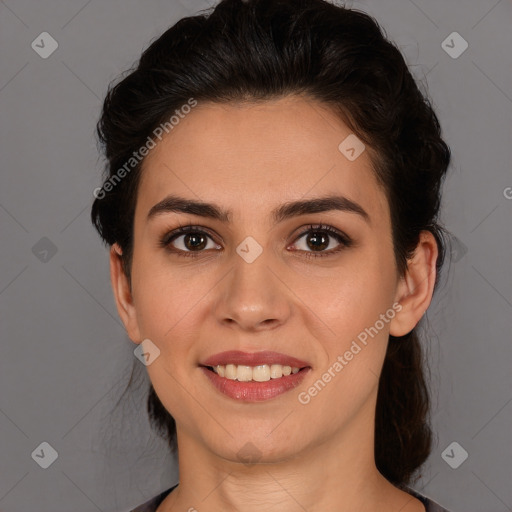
343,239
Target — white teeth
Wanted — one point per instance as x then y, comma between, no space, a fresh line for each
230,372
260,373
276,371
243,373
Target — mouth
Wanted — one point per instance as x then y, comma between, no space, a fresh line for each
254,377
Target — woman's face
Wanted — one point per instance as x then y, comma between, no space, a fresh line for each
252,283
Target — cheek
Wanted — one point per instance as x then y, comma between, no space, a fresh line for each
353,295
168,303
164,296
349,372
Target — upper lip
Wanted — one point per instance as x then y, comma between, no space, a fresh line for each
253,359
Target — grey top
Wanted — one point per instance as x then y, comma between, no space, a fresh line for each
153,503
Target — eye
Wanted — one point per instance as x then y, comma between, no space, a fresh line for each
319,238
188,241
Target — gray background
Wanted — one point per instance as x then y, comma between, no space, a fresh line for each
65,356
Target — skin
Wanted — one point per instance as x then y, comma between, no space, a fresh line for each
250,158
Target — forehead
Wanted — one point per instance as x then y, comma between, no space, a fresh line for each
245,155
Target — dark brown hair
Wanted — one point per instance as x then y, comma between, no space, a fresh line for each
257,50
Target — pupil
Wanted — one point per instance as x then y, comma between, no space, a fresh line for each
315,237
194,245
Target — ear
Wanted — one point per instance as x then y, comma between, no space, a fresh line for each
123,294
415,289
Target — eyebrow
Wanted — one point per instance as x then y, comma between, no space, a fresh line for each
285,211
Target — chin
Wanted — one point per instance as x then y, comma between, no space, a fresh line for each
251,449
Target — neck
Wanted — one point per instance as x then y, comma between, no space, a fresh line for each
336,474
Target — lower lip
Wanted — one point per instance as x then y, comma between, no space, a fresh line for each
255,391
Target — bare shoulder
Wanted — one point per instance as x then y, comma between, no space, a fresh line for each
408,503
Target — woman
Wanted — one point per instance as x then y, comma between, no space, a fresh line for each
271,200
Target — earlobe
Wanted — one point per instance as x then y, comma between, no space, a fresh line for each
123,294
416,287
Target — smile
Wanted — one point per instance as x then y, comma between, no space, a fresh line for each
260,373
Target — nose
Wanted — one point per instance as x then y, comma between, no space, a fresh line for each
253,297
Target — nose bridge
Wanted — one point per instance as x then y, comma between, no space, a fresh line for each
253,297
